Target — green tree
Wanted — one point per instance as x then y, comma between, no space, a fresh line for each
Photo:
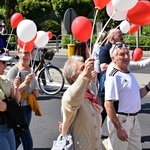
82,7
9,9
35,10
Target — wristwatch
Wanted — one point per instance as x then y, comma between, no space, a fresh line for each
147,89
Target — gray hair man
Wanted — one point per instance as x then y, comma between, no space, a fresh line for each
123,102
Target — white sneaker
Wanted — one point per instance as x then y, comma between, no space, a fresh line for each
48,87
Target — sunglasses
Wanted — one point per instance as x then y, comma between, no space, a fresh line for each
119,45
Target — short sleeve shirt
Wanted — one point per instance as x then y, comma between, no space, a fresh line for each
123,87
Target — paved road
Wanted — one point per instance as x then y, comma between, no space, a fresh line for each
45,129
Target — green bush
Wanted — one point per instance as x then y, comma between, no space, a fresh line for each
50,25
144,41
12,40
67,40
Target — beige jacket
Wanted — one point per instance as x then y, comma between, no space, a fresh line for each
86,128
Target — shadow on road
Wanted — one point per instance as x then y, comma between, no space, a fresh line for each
145,139
42,148
44,97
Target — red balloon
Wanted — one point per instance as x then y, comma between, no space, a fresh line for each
140,13
137,54
28,47
133,28
50,34
99,4
81,28
16,19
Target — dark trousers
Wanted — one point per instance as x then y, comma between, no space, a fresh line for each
102,78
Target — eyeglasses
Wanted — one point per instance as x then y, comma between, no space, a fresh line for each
119,45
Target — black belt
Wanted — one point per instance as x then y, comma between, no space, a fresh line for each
127,114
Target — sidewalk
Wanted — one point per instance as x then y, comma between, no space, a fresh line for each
65,53
62,51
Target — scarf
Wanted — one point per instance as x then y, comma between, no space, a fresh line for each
89,95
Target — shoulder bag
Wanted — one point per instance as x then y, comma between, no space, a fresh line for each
14,117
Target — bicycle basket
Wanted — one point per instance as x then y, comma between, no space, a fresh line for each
49,54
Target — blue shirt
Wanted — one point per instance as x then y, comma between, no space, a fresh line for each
104,56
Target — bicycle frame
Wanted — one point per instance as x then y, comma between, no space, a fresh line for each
47,72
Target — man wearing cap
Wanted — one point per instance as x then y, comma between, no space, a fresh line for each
123,102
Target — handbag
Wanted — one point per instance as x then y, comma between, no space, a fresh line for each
63,142
14,117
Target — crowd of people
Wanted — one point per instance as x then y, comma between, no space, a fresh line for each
101,85
117,95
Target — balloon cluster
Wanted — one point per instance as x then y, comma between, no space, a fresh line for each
132,13
27,33
127,10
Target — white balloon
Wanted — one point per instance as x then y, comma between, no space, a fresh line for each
121,5
26,30
118,15
42,39
124,26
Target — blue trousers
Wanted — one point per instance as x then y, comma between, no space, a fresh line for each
26,138
7,138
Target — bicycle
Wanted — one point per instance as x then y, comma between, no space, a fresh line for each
49,74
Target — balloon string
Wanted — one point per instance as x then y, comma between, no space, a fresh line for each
108,35
105,27
9,38
34,59
90,52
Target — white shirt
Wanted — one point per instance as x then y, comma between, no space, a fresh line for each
95,55
124,88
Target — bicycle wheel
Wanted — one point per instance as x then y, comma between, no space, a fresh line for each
51,80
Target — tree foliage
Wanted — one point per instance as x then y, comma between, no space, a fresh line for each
82,7
34,9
